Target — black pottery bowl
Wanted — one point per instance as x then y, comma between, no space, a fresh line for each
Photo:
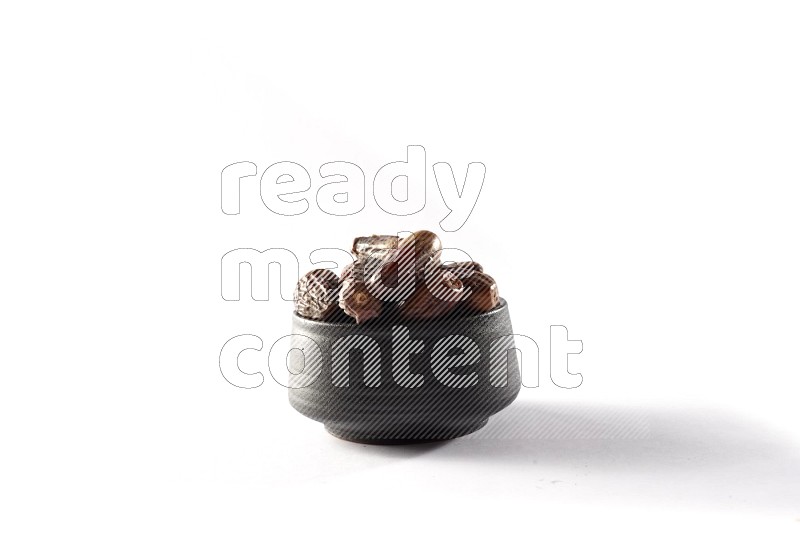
404,381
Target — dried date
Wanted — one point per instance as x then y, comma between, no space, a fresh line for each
354,297
483,295
437,297
316,294
374,246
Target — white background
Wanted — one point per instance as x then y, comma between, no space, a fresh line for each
642,162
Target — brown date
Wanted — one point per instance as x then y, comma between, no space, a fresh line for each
354,298
418,252
435,298
374,246
355,269
484,295
427,248
463,269
370,287
316,293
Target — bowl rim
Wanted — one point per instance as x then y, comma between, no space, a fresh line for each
450,318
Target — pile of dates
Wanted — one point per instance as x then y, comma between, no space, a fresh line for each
396,278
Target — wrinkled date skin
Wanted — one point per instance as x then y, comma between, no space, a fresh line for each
316,294
483,293
463,268
436,298
430,289
420,251
354,297
374,246
425,246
